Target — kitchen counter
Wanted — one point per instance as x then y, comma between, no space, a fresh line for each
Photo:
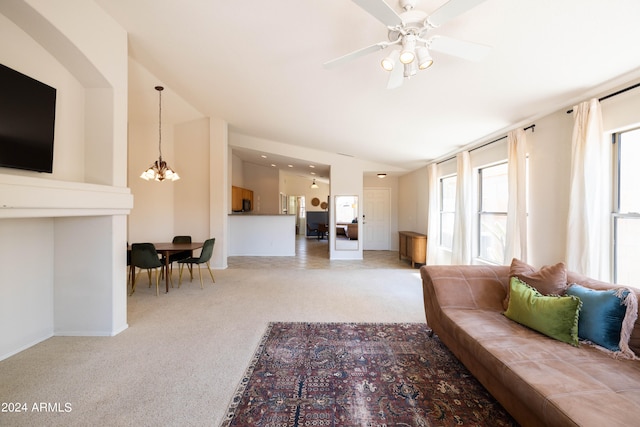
262,234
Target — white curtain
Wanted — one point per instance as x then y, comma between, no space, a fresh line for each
433,231
516,233
589,198
462,224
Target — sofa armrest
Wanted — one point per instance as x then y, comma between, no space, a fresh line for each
466,286
470,287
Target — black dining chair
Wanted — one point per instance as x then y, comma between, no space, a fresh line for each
145,256
205,256
128,265
179,255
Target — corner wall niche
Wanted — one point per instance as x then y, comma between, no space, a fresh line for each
74,219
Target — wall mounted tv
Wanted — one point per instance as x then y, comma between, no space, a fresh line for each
27,122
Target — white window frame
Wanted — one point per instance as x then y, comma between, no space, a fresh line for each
617,214
481,213
443,212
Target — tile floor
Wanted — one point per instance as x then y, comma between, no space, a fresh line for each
312,253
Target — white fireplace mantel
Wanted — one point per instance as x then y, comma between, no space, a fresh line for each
32,197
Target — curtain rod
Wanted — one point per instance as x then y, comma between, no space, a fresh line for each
611,95
532,127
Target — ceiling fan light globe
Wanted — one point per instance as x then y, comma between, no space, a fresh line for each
390,61
387,63
408,54
425,65
424,59
407,57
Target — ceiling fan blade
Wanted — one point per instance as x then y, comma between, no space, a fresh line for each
450,10
462,49
381,11
356,54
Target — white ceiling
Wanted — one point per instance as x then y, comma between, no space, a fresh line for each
258,65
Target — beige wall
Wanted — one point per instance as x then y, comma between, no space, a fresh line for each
295,185
413,201
191,193
265,184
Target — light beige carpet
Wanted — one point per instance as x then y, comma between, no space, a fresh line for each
180,360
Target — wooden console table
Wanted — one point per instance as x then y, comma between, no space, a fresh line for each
413,246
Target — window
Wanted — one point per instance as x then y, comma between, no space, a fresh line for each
626,212
493,194
447,210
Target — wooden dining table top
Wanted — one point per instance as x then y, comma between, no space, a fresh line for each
169,246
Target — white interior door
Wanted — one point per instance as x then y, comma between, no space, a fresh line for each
376,221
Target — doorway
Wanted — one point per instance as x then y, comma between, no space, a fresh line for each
376,219
297,206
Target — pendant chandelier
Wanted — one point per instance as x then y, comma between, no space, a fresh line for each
159,170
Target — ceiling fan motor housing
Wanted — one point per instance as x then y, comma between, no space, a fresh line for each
413,22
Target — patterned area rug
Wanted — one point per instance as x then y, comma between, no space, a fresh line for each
354,374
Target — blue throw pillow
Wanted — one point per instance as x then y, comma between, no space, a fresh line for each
602,316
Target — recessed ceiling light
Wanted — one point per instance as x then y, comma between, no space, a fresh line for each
263,156
273,165
313,173
290,166
311,166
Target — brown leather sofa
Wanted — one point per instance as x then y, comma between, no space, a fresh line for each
352,231
347,229
539,380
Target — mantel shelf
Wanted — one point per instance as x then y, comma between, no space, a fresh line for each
29,197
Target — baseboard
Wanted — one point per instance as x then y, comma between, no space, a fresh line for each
24,347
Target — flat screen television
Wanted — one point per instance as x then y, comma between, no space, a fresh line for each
27,122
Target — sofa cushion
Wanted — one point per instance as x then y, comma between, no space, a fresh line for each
607,317
549,280
554,316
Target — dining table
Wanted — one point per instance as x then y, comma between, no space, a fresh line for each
168,248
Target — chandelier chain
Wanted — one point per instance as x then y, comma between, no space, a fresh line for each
159,89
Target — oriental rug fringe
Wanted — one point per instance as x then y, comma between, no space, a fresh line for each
359,374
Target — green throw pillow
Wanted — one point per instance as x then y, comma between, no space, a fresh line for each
554,316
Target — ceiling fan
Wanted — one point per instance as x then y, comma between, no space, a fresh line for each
408,30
